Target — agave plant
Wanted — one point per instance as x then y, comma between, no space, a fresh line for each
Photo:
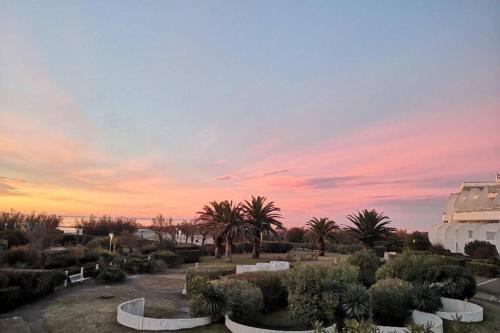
426,298
356,302
354,326
213,301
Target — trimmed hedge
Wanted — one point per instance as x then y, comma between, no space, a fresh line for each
271,284
10,298
170,258
276,247
188,256
483,269
196,278
111,274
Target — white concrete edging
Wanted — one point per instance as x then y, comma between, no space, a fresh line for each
454,308
240,328
272,266
131,314
419,318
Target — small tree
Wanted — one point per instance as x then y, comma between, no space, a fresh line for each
321,230
295,235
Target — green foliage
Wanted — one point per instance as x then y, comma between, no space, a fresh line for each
189,256
481,250
104,225
23,254
111,274
419,241
411,268
244,300
60,261
391,302
196,278
210,301
369,226
355,302
426,298
102,241
483,269
458,282
4,280
345,248
354,326
89,256
276,247
295,235
368,264
271,284
14,237
169,257
167,245
11,297
33,283
341,272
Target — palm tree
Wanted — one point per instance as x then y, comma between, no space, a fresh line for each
262,219
210,216
369,226
320,230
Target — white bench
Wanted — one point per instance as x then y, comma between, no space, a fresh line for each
77,278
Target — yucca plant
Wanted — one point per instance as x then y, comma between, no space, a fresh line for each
356,302
426,298
211,301
354,326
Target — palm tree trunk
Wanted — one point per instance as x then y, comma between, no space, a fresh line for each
256,248
218,247
321,244
229,250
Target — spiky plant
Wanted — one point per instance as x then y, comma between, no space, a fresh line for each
426,298
356,302
210,301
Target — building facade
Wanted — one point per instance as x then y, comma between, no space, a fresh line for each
471,214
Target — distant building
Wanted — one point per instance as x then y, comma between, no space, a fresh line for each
471,214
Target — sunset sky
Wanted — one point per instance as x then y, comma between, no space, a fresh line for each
325,107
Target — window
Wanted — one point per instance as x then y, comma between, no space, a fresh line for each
471,234
490,236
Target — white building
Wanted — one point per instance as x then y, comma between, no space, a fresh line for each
471,214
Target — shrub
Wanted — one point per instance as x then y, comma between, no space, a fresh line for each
356,302
457,282
167,245
483,269
60,261
4,280
368,264
111,274
197,278
295,235
133,266
207,249
32,282
89,256
148,248
168,257
391,302
243,247
342,272
354,326
439,249
379,250
189,256
426,298
481,250
276,247
210,301
14,237
271,284
101,241
23,254
10,298
411,268
346,248
244,300
419,241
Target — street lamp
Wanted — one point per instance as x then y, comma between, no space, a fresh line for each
110,240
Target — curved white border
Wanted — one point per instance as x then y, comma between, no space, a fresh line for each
131,314
240,328
419,318
454,308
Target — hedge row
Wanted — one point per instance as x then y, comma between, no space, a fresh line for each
483,269
196,278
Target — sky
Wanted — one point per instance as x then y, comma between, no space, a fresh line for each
325,107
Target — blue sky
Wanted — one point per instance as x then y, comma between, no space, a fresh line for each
196,99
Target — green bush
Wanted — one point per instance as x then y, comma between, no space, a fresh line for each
89,256
457,282
342,272
14,237
10,297
148,248
169,257
481,250
23,254
189,256
368,264
196,278
99,241
271,284
111,274
210,301
483,269
426,297
32,282
276,247
419,241
391,302
379,250
60,261
133,266
345,248
244,300
243,247
355,302
411,268
4,280
295,235
167,245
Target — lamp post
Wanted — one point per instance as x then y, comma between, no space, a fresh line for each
110,240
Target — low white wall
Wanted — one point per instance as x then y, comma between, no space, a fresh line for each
131,314
271,266
454,308
419,318
239,328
